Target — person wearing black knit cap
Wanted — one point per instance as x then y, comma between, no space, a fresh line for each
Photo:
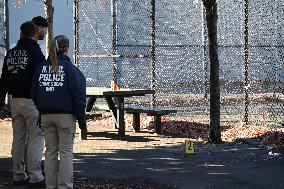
42,26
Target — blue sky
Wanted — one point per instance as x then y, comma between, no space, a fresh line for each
63,19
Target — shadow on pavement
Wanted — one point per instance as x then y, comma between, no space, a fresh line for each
229,165
233,166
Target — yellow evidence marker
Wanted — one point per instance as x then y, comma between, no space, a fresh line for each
189,146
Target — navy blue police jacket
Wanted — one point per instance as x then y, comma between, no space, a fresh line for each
19,66
62,92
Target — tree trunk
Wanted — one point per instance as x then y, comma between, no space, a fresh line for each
211,18
48,10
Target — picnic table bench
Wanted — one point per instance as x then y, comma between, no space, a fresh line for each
157,112
92,115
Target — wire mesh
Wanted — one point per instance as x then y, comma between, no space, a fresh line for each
181,54
266,62
95,41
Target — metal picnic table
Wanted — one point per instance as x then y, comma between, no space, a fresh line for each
117,110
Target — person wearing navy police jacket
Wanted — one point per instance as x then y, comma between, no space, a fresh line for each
59,92
19,66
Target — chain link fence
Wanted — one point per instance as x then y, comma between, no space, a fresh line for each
165,46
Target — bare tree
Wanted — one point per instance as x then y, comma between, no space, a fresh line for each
211,19
48,10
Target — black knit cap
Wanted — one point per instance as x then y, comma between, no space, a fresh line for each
40,21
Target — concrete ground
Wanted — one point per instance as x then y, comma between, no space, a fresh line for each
234,166
225,166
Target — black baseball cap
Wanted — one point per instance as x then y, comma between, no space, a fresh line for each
40,21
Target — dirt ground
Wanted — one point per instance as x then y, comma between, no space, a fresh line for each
147,160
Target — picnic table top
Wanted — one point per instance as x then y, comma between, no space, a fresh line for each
107,91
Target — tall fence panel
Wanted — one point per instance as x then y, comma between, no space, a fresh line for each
266,62
230,41
182,63
165,47
133,43
95,34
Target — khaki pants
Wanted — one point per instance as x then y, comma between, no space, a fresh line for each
26,132
59,132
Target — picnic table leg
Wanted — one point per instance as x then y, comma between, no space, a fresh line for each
120,116
83,134
112,107
89,107
157,122
136,121
90,103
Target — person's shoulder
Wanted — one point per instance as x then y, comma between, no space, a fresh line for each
35,51
11,52
35,47
76,71
32,47
41,66
12,49
75,68
66,61
63,58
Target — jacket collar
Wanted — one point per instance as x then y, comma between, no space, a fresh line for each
64,57
28,42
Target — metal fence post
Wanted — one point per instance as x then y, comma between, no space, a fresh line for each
204,51
6,25
246,56
76,31
6,39
114,60
153,49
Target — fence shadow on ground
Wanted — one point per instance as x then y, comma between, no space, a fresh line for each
225,165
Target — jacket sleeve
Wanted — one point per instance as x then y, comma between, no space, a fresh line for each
4,83
34,88
77,87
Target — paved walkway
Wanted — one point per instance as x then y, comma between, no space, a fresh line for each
234,166
224,166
